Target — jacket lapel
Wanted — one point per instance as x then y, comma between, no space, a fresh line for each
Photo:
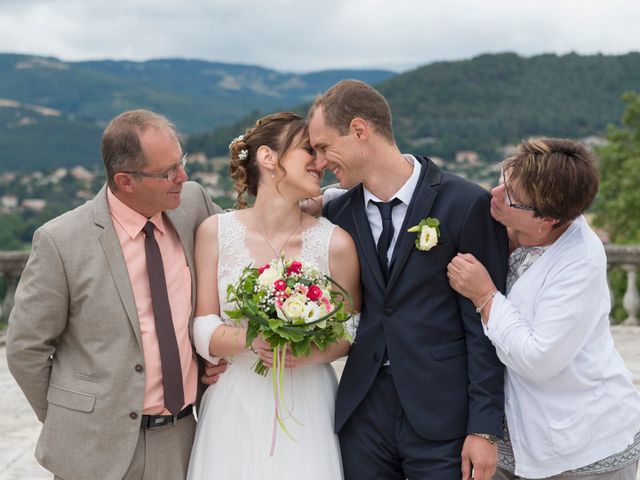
115,259
365,237
419,208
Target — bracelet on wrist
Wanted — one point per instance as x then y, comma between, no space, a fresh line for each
490,438
486,301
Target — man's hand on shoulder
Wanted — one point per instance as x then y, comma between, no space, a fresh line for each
312,206
480,457
212,372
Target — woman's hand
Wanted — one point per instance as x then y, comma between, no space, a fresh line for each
261,347
469,278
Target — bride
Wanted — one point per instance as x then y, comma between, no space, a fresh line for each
274,162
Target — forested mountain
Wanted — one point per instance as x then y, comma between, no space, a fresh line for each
493,100
46,103
52,112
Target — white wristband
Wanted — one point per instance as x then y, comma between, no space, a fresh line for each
203,328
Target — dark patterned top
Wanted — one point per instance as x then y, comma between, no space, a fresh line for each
519,261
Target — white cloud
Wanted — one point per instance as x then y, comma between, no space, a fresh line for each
310,35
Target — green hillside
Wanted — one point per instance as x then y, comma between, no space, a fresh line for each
493,100
196,95
30,140
479,104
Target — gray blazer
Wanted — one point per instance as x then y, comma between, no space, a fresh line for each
74,337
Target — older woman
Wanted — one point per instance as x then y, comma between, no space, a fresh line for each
572,410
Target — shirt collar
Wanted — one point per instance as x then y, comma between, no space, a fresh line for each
406,191
131,221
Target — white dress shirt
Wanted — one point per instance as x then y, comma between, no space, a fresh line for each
399,211
373,213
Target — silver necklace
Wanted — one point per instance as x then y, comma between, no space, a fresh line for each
255,219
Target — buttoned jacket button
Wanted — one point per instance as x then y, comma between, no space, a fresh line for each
139,368
388,311
133,415
376,357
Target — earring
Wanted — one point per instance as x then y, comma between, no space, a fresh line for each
273,175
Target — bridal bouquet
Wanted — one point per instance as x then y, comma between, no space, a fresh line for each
294,306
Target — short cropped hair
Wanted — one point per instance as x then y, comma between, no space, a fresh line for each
349,99
121,148
557,175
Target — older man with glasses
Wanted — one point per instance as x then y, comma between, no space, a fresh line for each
99,339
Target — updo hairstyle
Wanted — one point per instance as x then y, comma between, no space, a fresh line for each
278,132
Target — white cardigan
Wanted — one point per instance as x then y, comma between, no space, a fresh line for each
570,401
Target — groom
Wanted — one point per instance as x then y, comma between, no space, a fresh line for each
421,395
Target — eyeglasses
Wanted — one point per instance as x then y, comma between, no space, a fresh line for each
170,174
507,197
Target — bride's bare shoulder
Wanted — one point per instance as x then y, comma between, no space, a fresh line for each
342,243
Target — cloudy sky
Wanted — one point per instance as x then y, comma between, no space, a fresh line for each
307,35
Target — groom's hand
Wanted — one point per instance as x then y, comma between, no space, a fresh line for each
480,456
312,206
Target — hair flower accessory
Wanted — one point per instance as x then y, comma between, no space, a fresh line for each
244,153
428,231
237,139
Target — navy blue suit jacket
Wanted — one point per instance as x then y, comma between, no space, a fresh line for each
446,372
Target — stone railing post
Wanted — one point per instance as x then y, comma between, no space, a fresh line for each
631,299
11,266
627,257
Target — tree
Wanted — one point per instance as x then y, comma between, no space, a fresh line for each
618,205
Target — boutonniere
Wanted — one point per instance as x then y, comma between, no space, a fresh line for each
428,231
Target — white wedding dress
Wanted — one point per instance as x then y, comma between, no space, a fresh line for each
236,416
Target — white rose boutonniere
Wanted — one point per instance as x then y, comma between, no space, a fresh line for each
428,231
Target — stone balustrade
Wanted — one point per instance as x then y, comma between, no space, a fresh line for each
11,266
625,256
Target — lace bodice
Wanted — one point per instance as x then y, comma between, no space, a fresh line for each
233,254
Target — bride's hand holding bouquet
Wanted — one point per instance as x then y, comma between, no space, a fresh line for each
293,312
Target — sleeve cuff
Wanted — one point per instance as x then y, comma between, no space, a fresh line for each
331,193
352,326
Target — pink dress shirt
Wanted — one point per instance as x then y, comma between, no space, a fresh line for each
128,224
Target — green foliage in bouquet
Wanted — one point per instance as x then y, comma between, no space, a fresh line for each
291,305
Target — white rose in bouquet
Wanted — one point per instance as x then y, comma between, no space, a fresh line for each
313,312
270,275
294,307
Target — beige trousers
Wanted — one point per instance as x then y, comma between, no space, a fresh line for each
162,453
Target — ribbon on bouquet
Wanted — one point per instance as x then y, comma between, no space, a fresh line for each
280,405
